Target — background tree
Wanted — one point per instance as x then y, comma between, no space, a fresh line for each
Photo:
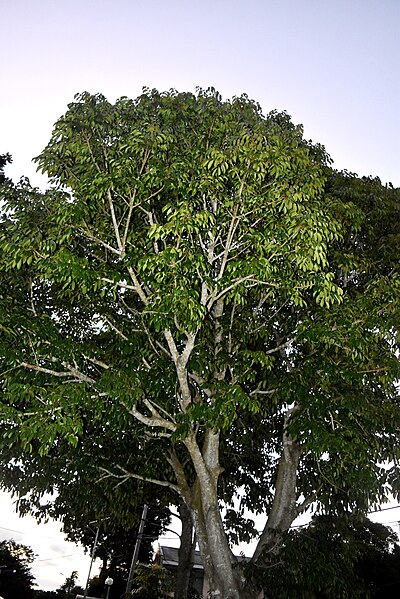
201,280
16,579
69,589
337,556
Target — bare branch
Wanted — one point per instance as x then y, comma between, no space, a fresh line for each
77,376
232,229
261,392
172,346
127,475
115,225
32,308
97,362
128,218
137,286
307,502
279,347
161,409
114,328
249,278
106,245
179,472
119,284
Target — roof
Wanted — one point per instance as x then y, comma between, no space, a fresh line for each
169,557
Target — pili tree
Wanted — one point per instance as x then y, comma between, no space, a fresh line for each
200,277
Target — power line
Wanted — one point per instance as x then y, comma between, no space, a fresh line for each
384,509
21,532
11,530
50,559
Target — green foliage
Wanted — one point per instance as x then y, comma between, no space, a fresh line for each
152,582
336,557
4,159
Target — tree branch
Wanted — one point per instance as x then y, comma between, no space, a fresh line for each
106,245
78,376
155,420
114,328
127,475
115,225
232,228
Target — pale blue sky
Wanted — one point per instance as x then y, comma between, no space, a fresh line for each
332,64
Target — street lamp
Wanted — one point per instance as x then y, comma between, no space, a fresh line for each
108,581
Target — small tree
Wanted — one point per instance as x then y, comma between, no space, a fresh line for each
16,579
152,582
69,589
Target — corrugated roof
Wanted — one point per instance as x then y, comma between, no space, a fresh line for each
170,557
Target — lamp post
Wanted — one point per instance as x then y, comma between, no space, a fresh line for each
108,581
91,561
93,555
136,551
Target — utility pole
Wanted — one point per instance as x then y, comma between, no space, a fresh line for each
91,561
136,551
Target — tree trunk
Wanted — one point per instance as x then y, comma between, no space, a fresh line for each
202,500
284,509
186,553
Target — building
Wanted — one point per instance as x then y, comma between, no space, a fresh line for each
168,557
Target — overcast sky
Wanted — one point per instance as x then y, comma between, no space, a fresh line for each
332,64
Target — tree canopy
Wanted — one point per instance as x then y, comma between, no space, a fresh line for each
199,280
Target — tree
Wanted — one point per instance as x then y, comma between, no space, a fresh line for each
16,579
200,279
337,556
69,589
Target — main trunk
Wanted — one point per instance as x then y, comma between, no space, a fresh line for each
202,500
186,553
224,574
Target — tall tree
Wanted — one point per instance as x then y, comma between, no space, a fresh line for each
200,278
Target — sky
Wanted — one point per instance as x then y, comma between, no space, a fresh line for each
56,559
332,65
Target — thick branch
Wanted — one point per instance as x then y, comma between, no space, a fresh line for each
137,286
284,509
181,361
155,420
